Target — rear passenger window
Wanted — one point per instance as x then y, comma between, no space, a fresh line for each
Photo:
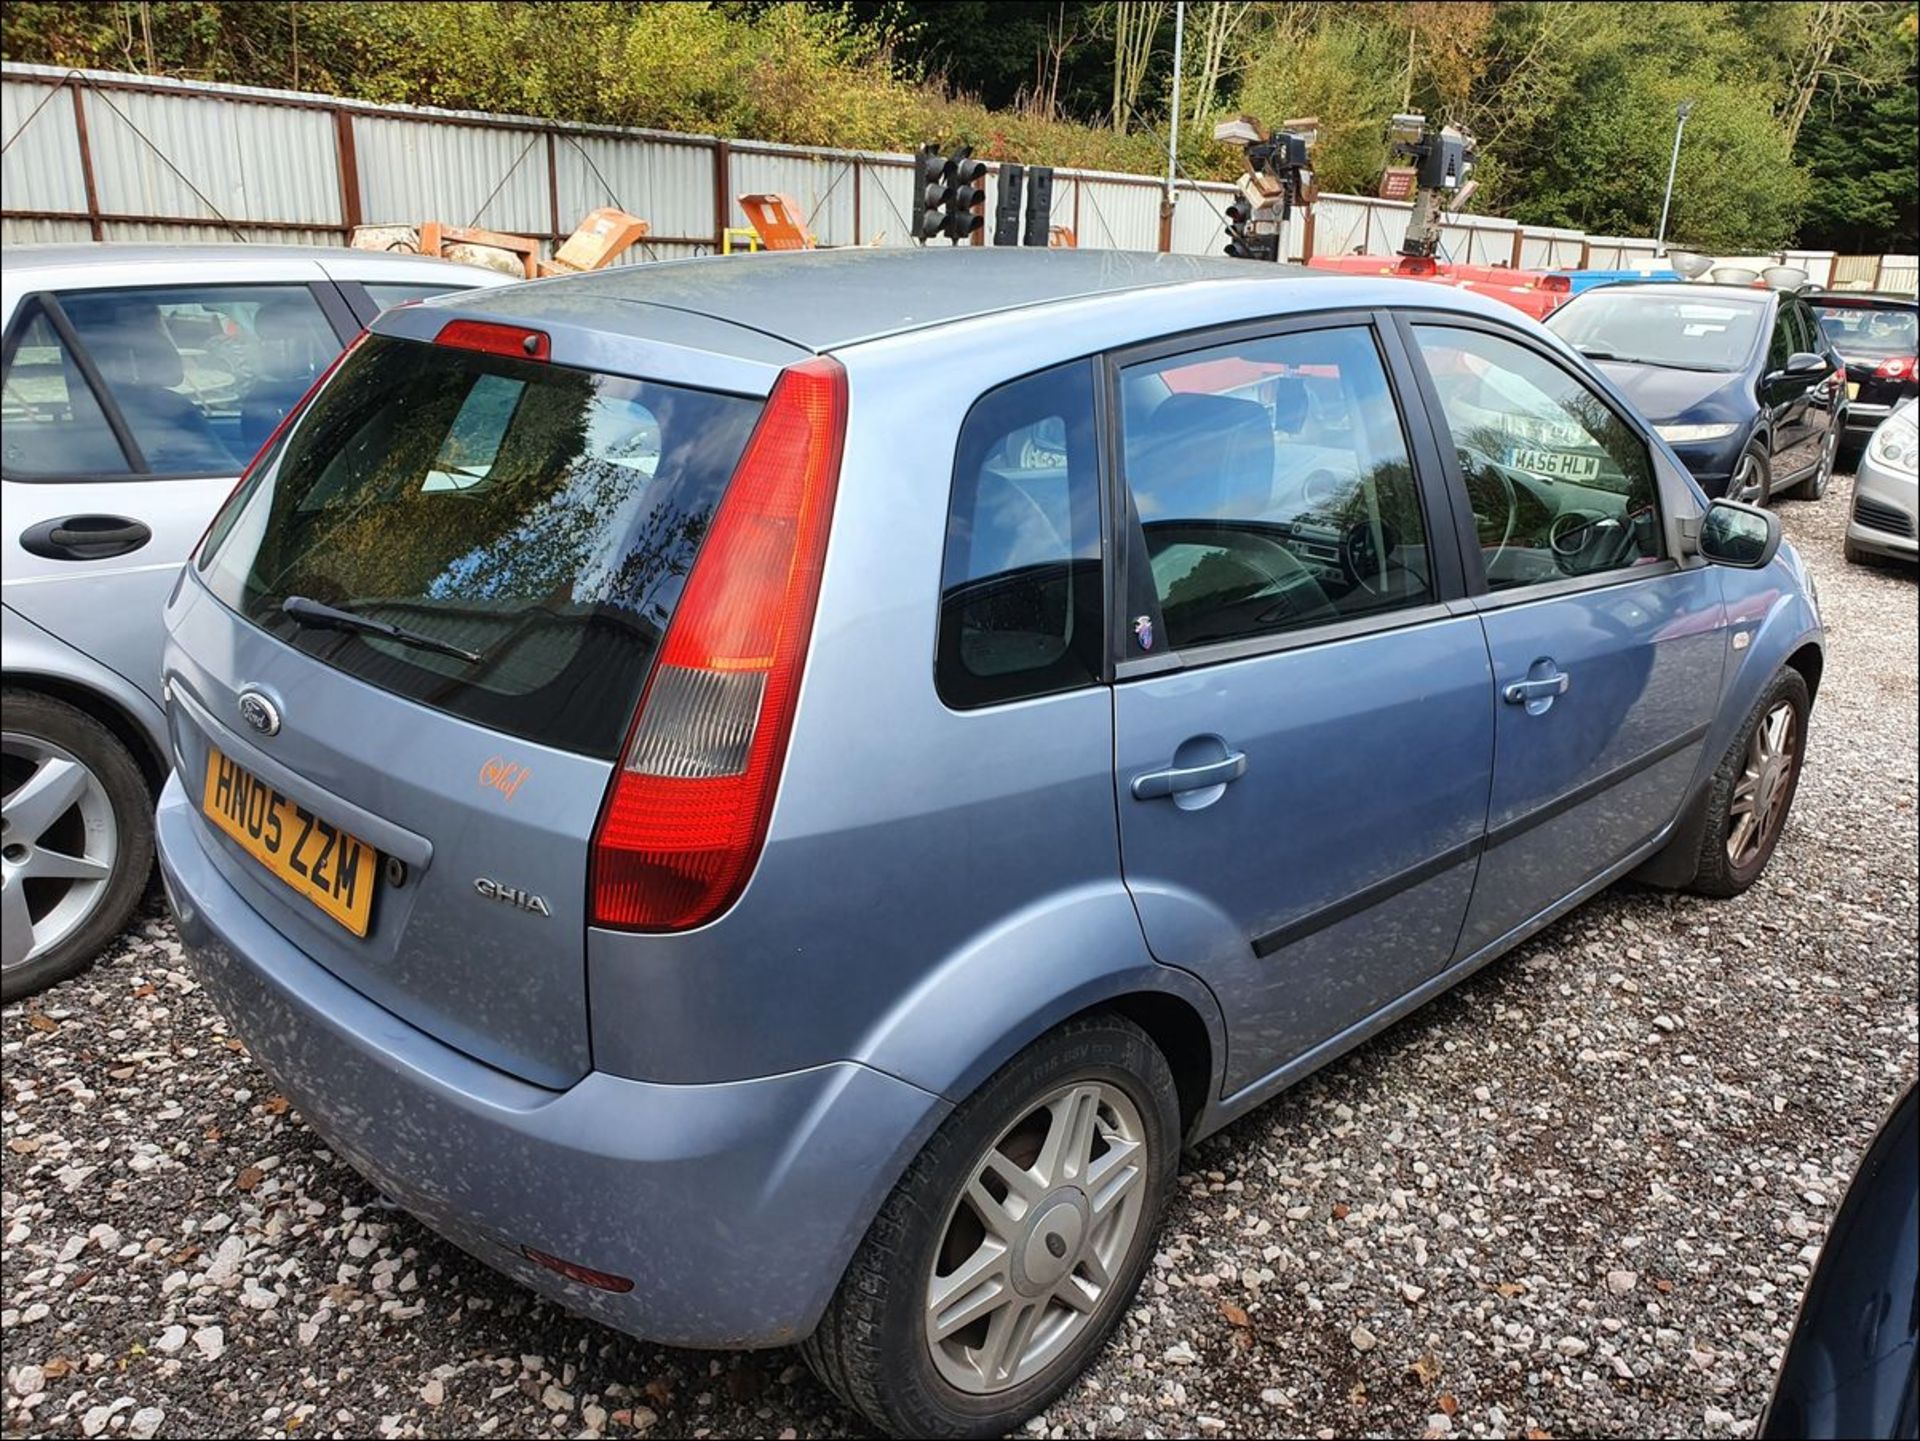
203,374
1021,588
51,423
1273,489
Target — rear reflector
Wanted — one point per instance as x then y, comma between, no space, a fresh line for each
687,812
573,1271
494,339
273,441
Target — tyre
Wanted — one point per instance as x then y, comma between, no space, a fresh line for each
1855,555
76,841
1753,789
1752,480
1008,1252
1815,485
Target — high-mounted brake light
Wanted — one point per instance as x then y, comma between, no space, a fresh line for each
687,812
492,338
273,441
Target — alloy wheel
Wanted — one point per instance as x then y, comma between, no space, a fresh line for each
1746,480
1760,794
58,841
1029,1251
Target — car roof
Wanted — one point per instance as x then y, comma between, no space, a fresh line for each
98,265
1755,295
823,300
1863,298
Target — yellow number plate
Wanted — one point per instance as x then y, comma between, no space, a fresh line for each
332,869
1853,390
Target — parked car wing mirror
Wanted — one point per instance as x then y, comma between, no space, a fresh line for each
1806,362
1739,535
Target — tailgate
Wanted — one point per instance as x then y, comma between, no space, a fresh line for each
402,667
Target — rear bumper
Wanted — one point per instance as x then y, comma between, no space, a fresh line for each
733,1208
1864,417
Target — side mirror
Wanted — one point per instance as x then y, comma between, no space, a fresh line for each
1739,535
1806,362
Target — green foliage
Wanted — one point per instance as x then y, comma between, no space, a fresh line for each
1573,103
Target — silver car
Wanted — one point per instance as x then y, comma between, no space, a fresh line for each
1886,490
138,381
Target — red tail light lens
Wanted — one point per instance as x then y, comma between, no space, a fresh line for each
272,442
1556,282
492,339
1901,367
686,815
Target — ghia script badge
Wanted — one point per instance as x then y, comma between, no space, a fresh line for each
259,712
512,895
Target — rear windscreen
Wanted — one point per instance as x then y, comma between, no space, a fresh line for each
542,520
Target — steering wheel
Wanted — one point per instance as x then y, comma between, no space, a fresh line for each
1585,541
1361,557
1475,466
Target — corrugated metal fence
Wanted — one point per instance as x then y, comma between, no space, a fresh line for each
93,155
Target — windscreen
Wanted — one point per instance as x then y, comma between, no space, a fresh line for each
526,527
1669,328
1870,332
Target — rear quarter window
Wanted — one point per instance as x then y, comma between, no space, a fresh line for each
1021,588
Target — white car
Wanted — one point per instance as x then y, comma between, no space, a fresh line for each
138,382
1886,489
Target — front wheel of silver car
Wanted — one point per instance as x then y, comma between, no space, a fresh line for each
76,841
1005,1256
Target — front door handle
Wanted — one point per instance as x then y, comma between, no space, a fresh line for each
1155,784
1522,692
85,537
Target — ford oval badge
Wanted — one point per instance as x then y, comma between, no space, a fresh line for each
259,712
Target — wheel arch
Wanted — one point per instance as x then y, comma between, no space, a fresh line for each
1073,955
110,712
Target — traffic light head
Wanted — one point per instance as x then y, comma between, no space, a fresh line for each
929,192
966,192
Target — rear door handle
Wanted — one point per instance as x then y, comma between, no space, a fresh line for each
1546,688
85,537
1155,784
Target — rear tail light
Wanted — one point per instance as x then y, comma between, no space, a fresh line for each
272,444
1901,367
686,814
1556,283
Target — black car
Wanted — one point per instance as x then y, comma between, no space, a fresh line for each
1739,380
1850,1367
1877,336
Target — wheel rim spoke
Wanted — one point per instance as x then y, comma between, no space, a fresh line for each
1006,1343
53,789
48,865
16,925
1114,1177
1070,1131
981,1285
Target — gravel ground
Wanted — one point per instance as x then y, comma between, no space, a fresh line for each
1578,1196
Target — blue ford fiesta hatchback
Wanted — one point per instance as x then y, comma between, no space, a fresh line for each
768,798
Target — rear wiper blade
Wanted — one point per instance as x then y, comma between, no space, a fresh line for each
318,616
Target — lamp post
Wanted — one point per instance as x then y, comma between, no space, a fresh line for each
1666,203
1173,129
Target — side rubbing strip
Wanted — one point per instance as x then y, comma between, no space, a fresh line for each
1579,796
1385,890
1365,900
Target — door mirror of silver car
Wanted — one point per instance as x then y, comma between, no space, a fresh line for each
1739,535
